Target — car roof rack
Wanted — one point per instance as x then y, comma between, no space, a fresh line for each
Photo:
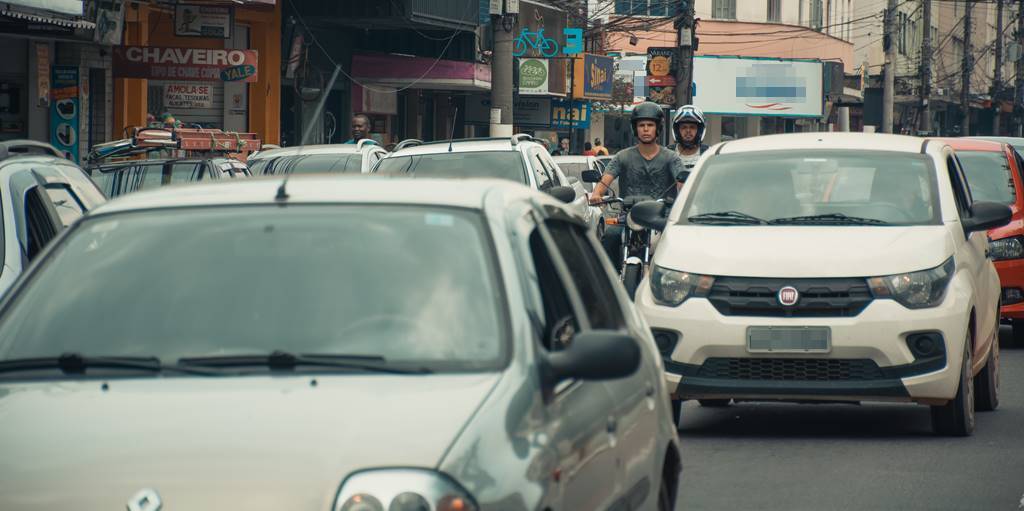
22,147
195,140
409,142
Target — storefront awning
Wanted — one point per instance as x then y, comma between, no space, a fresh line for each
72,7
51,20
401,71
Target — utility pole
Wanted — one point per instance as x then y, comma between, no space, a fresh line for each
889,71
501,69
686,30
1018,93
925,121
965,78
997,77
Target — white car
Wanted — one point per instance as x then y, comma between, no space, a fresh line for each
519,158
327,158
829,267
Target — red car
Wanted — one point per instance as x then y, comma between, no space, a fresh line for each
993,172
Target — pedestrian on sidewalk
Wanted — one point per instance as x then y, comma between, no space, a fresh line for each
588,150
599,150
562,149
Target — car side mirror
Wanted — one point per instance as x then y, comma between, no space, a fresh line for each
591,176
594,355
563,193
987,215
650,214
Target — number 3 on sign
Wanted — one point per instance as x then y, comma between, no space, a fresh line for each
573,41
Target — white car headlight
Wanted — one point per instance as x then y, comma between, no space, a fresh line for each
915,290
671,287
1006,248
402,489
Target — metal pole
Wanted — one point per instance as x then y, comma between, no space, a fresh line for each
925,122
997,79
889,78
965,78
686,38
501,77
315,118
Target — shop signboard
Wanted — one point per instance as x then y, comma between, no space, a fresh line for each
65,110
526,111
566,114
533,76
758,86
109,22
661,73
185,64
188,95
193,20
592,77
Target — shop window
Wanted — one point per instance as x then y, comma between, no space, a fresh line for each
723,9
774,11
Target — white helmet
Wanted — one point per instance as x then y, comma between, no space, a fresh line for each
691,114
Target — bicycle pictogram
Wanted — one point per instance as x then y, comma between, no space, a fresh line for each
545,45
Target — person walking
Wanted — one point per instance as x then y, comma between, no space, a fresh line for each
599,150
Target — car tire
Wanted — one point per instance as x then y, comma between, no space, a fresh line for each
1017,339
677,412
714,403
956,418
665,497
986,383
631,275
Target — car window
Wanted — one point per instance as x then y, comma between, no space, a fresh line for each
506,165
988,176
959,195
345,163
323,297
38,224
559,323
186,172
575,169
540,171
148,176
589,275
896,188
69,207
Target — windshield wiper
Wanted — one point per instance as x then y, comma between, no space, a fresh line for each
76,363
726,217
282,360
829,219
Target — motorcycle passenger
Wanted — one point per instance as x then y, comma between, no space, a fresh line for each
688,127
647,169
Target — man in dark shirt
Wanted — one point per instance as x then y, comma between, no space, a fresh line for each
646,169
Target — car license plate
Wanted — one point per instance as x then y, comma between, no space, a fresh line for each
774,339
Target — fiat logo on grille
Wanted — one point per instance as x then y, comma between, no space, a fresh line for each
788,296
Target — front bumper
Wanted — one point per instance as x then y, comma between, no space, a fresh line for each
876,337
1011,275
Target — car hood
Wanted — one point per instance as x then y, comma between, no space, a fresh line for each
802,251
207,443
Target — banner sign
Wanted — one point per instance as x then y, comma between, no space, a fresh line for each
109,22
753,86
526,111
189,64
566,115
65,111
203,21
43,73
186,95
661,76
592,77
533,76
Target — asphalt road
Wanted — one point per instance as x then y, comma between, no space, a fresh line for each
878,456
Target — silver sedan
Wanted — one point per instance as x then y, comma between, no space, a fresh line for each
345,344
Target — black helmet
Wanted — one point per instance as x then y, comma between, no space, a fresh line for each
647,110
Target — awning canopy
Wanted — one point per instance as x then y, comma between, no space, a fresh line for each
404,71
71,7
43,18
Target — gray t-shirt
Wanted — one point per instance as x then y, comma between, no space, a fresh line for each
638,176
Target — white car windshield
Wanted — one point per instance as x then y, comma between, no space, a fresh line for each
814,188
506,165
414,285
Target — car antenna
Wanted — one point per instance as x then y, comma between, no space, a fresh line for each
282,191
451,136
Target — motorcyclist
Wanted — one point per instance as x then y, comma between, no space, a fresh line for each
647,169
688,127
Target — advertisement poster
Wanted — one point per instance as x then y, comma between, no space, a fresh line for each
43,73
65,110
192,20
566,115
755,86
187,95
533,76
592,77
189,64
661,73
109,22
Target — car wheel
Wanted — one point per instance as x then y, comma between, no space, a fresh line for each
677,412
956,418
665,498
714,403
986,383
1017,339
631,278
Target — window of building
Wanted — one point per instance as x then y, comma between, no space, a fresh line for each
723,9
816,15
774,11
646,7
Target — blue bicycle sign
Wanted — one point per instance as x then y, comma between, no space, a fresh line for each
545,45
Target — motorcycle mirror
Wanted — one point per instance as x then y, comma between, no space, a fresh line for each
650,214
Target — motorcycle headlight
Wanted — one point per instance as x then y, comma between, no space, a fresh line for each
671,287
402,489
915,290
1006,248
